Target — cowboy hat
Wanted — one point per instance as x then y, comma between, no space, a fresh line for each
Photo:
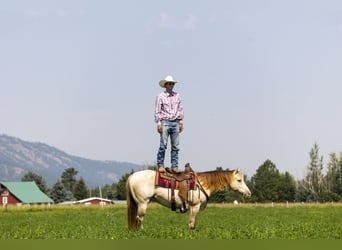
167,79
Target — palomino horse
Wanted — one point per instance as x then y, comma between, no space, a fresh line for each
141,189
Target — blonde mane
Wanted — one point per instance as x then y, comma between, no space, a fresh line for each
215,180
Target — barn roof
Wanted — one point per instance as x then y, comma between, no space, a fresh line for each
27,192
94,198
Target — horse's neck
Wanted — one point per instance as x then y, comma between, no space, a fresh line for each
214,181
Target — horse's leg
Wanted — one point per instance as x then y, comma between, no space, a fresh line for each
192,215
141,213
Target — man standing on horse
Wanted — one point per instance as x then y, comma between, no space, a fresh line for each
169,118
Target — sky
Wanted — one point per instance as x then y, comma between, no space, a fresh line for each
259,80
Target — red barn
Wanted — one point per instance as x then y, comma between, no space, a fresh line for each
94,201
17,193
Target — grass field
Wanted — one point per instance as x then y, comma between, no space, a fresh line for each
247,221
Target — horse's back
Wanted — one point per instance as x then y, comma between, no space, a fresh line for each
142,184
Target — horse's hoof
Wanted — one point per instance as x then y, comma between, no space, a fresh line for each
183,210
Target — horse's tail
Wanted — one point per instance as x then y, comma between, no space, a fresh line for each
132,207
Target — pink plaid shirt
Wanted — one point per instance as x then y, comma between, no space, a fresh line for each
168,107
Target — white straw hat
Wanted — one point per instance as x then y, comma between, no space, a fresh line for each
167,79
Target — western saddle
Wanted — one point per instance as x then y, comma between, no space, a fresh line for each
183,181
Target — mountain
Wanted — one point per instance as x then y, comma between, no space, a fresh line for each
17,157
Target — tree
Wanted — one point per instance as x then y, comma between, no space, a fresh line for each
121,186
338,177
38,179
59,193
333,178
287,187
302,191
80,190
219,196
232,195
68,178
265,182
315,175
312,186
108,192
332,173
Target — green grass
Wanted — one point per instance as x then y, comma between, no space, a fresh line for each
214,222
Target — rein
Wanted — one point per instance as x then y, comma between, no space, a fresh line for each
203,190
200,186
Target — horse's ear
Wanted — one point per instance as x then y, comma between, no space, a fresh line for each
237,171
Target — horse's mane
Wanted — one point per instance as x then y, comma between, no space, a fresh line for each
215,180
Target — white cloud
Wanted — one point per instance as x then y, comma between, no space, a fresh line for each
335,28
149,27
62,13
167,21
37,13
191,22
212,18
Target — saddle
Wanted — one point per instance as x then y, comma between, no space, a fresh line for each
183,182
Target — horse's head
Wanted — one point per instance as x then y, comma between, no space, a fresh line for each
237,183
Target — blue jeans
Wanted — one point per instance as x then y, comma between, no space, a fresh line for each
170,128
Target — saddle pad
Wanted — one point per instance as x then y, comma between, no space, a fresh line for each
166,181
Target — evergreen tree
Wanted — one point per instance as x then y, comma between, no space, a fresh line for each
338,178
59,193
80,190
68,178
264,182
38,179
333,178
108,192
232,195
218,197
120,187
287,188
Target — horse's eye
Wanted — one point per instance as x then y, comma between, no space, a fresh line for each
239,180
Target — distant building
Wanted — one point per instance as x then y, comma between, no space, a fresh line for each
93,201
26,192
88,201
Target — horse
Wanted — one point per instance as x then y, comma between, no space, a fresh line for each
141,189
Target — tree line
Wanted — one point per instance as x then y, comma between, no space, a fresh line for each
268,184
69,188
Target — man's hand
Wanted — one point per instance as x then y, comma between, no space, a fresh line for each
160,129
181,127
